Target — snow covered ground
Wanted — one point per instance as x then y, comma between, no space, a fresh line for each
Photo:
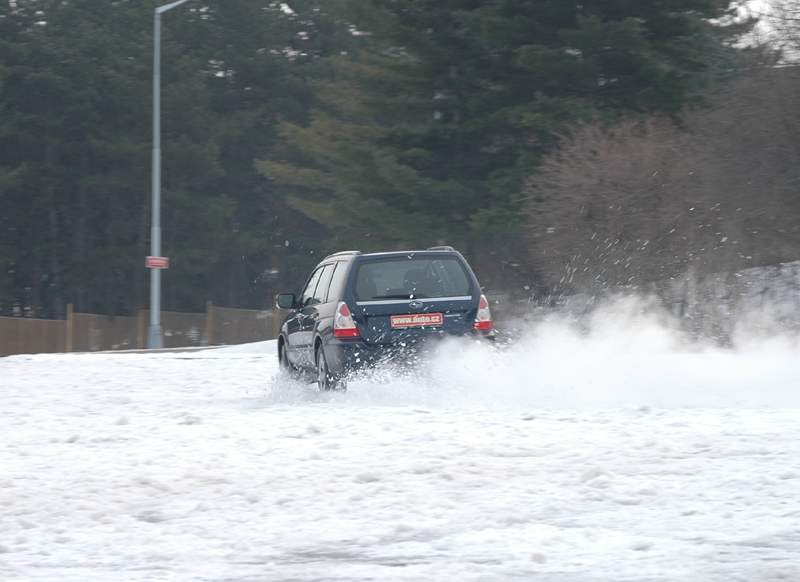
623,455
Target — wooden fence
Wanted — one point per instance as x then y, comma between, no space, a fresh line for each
25,336
89,332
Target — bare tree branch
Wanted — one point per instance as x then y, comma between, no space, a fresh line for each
646,200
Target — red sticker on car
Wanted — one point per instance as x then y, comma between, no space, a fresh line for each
417,320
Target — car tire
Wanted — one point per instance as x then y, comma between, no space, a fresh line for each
286,367
326,381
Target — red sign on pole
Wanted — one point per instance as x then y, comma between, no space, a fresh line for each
157,262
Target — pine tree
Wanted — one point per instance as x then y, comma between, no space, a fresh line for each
424,131
75,106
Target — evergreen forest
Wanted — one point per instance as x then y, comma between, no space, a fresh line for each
612,139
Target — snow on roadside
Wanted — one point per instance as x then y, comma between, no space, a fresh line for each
619,455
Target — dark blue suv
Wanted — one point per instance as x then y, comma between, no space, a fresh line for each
356,309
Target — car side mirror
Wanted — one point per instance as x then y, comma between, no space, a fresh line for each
286,301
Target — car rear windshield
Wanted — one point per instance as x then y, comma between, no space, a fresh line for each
411,278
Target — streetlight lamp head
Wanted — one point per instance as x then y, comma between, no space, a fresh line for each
170,6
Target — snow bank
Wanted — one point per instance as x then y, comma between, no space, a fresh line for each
255,348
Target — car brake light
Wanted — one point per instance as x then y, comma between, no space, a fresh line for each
483,321
343,323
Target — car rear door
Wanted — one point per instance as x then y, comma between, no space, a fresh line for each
296,325
310,314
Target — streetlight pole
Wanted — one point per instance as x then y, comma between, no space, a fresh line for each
154,338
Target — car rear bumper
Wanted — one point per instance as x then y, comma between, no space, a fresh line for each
345,356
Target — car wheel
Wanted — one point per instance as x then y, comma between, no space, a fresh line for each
325,379
285,365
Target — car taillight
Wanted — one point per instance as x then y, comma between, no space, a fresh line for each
483,321
343,323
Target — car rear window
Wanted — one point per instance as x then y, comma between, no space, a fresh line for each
411,278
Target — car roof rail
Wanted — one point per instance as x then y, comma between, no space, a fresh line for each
441,248
343,253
